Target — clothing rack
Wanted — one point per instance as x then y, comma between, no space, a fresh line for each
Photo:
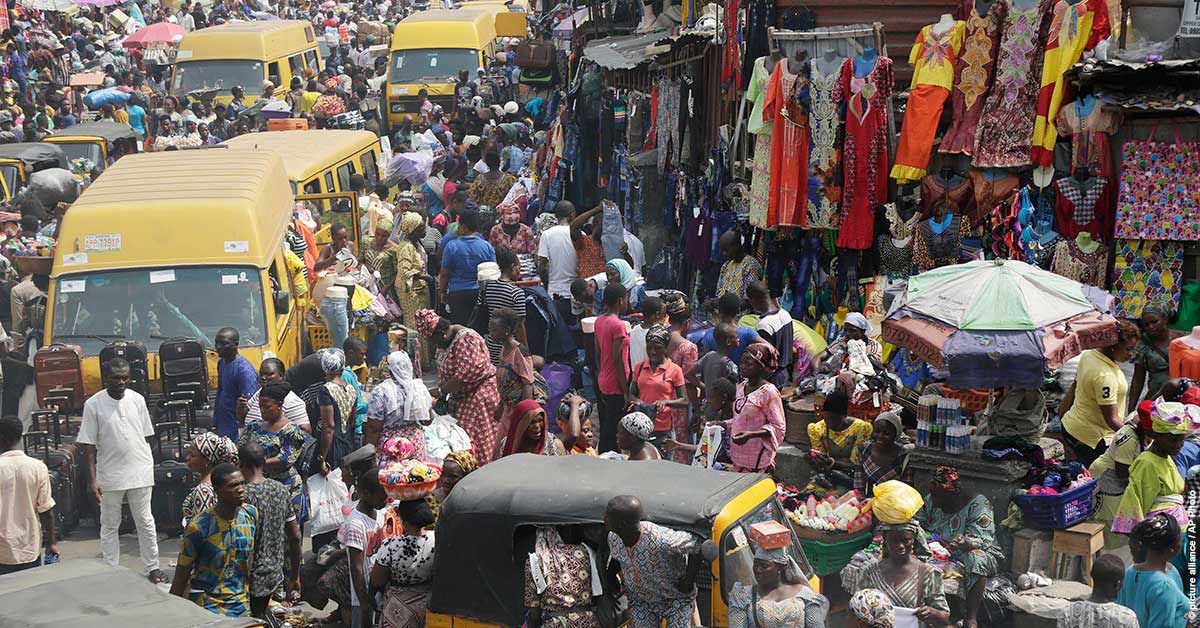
851,40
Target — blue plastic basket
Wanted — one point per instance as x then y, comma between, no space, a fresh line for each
1056,512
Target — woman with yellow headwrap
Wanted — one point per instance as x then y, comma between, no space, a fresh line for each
380,256
1154,482
412,294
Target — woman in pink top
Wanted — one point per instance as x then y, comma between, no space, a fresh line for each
757,426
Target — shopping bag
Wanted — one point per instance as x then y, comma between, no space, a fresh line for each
443,436
326,495
708,447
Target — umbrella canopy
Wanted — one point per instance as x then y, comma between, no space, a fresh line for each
48,5
998,324
98,3
159,32
996,295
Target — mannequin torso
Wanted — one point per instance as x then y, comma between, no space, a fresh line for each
864,63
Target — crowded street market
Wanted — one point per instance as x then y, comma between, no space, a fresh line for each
734,314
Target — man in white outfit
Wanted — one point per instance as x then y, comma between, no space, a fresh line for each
116,424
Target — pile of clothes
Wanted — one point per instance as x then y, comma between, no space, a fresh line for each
1055,477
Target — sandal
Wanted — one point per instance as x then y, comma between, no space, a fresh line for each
156,577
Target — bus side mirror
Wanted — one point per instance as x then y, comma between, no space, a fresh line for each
283,302
708,550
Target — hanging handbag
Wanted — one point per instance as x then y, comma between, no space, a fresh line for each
1156,201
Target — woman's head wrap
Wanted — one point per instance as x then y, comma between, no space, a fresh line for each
464,459
764,355
216,448
658,335
410,221
946,479
333,360
427,321
1172,417
638,424
858,320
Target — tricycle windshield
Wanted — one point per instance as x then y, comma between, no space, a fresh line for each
737,550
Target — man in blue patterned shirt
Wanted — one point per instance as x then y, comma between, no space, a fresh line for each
217,550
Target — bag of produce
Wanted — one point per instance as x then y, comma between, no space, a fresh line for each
896,502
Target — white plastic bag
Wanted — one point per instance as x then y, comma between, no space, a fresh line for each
444,436
708,447
326,495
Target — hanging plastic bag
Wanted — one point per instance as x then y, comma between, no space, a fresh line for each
326,495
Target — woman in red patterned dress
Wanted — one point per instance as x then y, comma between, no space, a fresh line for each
466,377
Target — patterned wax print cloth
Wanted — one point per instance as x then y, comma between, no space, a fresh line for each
1146,273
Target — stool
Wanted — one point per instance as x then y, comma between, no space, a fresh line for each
1084,540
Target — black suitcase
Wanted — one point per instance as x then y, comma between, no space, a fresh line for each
183,365
133,352
64,465
172,481
171,441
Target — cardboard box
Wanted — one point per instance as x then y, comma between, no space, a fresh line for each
770,535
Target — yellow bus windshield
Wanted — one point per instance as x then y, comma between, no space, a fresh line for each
432,65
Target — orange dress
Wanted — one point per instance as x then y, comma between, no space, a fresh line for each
787,201
933,57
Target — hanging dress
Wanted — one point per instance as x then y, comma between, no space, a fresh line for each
865,153
974,73
787,203
1074,29
759,125
825,154
954,193
1083,206
933,57
1089,125
1005,134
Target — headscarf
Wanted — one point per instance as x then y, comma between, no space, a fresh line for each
333,360
873,608
216,448
946,479
427,321
658,335
277,391
522,415
1145,421
464,459
386,223
893,419
1172,417
638,424
778,556
410,222
858,320
510,213
628,277
765,355
402,398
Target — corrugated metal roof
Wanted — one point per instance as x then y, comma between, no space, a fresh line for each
902,21
624,52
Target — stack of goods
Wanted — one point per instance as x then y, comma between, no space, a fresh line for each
943,425
410,479
850,512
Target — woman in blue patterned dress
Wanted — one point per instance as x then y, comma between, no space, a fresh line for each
281,441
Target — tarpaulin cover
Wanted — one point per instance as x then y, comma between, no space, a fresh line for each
34,154
476,572
91,594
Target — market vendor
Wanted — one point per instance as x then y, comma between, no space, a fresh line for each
836,356
968,526
883,458
1111,470
779,597
837,439
1150,359
1154,482
901,575
1091,409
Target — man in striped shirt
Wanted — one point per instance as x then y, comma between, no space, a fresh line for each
504,292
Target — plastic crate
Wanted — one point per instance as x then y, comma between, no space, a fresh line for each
1057,512
318,337
829,558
